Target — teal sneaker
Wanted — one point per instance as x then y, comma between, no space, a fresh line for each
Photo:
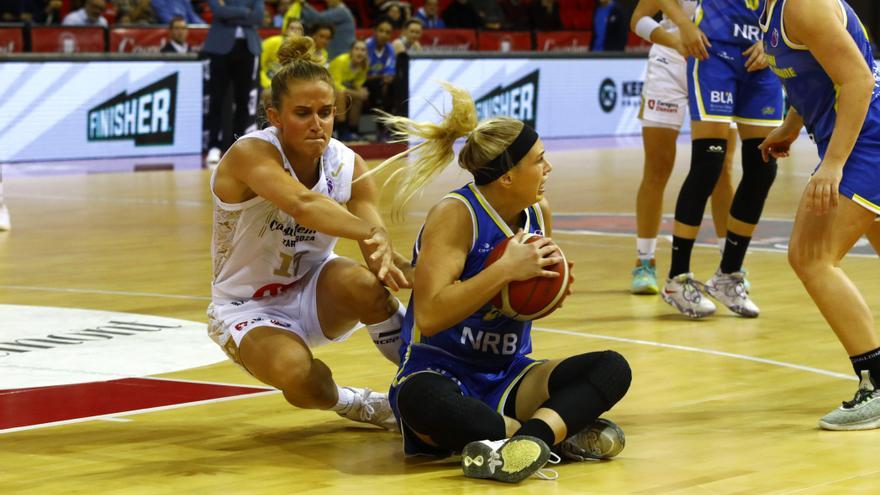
644,278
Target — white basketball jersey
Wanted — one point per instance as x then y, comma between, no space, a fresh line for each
259,250
688,6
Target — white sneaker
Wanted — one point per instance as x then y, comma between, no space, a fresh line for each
508,460
861,413
371,407
730,290
683,293
213,158
4,218
601,440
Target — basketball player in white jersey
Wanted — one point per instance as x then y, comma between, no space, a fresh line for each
282,196
664,108
4,212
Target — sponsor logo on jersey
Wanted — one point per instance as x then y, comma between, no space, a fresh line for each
747,31
774,38
145,116
518,99
723,97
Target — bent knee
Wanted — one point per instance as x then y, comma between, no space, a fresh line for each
613,376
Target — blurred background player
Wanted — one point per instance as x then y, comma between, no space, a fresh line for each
233,49
821,51
466,383
282,197
664,107
727,82
349,72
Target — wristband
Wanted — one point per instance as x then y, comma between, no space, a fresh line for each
645,27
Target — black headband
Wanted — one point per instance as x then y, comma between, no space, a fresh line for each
499,165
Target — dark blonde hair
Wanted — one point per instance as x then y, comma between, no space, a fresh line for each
299,62
486,140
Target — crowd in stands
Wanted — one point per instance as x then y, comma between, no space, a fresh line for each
366,70
434,14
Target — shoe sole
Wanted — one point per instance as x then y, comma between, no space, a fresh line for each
686,312
521,457
606,439
646,290
864,425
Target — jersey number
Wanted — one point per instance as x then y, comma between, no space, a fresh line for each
286,261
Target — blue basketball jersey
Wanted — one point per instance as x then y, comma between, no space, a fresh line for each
810,91
486,339
730,21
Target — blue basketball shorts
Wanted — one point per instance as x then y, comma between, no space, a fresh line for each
721,90
490,386
861,173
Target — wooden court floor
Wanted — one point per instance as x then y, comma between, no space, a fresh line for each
721,406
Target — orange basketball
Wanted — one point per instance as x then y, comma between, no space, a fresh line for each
533,298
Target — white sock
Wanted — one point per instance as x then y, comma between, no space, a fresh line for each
721,243
347,397
386,334
646,248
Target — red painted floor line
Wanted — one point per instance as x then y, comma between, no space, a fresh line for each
35,406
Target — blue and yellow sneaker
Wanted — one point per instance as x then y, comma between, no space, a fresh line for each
644,278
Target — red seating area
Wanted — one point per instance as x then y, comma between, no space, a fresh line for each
68,39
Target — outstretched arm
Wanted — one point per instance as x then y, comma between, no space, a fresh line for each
393,269
252,167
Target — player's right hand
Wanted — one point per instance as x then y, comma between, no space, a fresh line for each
524,261
777,143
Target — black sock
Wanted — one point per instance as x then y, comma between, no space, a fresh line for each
734,252
681,255
539,429
868,361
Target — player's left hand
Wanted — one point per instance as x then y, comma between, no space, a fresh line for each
756,61
821,192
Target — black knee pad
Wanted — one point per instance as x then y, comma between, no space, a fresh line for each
757,178
606,371
432,404
707,161
612,376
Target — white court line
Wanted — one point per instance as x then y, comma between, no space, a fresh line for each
106,199
105,292
677,347
540,329
116,420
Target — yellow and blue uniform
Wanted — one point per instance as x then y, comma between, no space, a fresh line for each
344,75
813,94
486,353
720,89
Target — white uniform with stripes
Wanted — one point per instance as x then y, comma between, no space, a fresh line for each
266,265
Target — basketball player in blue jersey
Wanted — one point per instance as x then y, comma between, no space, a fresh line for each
821,51
727,85
466,383
663,111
